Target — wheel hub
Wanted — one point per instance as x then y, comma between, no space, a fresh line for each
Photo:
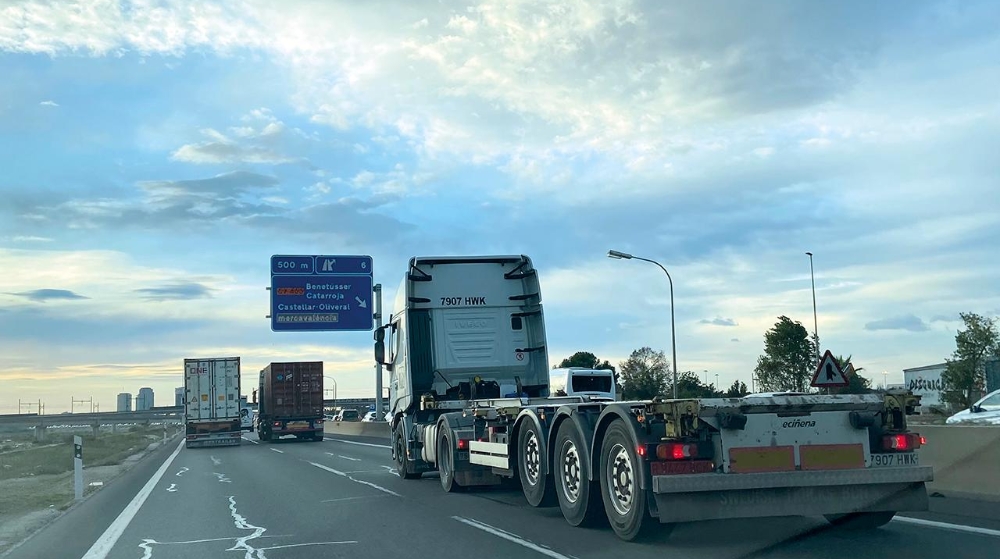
571,472
620,478
532,460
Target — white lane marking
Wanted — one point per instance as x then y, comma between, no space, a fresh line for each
242,524
352,498
351,458
361,481
222,477
172,488
102,547
360,443
251,440
215,461
148,551
510,537
278,451
947,526
304,544
181,471
392,470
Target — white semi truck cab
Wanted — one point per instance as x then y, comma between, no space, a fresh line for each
470,397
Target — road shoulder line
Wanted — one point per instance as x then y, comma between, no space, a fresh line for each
102,547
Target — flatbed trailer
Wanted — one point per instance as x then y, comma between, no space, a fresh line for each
470,400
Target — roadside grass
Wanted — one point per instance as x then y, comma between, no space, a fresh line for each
55,454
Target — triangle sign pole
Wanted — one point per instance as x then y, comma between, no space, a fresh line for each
828,374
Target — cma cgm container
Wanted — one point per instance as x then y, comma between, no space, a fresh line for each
291,401
212,401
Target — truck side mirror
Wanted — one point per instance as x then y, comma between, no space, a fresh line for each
380,345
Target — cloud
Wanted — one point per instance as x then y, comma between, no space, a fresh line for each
946,318
734,339
175,292
49,104
719,321
226,185
30,239
43,295
254,145
908,322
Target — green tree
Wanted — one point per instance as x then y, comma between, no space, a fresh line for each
789,357
857,383
737,390
588,360
644,374
965,377
690,386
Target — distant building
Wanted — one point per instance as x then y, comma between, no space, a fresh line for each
124,402
144,400
926,382
179,396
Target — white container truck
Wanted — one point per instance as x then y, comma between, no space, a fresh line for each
470,398
212,402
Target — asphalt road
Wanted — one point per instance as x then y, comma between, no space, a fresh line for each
340,498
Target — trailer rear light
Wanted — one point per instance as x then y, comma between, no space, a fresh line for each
676,451
641,451
277,424
463,444
902,443
318,422
923,440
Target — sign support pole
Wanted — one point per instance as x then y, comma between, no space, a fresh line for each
78,467
378,366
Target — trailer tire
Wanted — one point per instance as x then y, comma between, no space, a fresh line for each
861,520
399,450
578,494
446,466
625,502
264,434
532,457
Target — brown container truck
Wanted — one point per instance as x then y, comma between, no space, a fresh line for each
291,401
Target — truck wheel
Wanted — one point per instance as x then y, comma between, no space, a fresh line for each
531,466
624,501
264,434
578,495
446,466
861,520
399,449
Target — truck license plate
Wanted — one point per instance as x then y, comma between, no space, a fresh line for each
893,460
297,425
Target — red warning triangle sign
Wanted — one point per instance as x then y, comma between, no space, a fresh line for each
828,374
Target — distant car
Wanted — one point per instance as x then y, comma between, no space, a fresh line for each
347,415
986,412
369,417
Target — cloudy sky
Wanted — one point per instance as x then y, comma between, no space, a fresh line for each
154,154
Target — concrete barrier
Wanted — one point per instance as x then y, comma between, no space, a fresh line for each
966,459
378,429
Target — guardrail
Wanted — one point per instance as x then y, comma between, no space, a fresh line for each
378,429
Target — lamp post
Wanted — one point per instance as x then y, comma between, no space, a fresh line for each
334,389
673,333
812,277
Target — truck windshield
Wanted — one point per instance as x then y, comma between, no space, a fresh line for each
590,383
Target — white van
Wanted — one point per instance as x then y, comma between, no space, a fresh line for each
598,384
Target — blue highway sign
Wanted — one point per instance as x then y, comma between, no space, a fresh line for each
321,293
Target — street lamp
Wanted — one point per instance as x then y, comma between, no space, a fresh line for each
812,277
673,333
334,389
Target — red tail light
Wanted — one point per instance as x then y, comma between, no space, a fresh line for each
277,424
641,451
463,444
902,443
676,451
923,440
